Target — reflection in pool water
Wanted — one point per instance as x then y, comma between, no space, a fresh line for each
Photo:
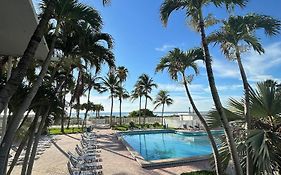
157,146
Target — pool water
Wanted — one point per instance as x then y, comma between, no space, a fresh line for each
155,146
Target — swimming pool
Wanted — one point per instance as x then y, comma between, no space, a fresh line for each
170,145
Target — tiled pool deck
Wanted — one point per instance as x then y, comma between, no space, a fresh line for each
116,159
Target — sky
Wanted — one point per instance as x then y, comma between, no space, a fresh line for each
141,40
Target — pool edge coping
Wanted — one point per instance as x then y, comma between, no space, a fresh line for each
155,163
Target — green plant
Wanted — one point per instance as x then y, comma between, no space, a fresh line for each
132,124
57,131
141,113
156,125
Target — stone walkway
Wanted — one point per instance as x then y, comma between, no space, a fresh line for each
116,159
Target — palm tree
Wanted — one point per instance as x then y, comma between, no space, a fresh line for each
65,12
122,73
138,92
89,106
194,12
110,84
238,34
91,83
147,84
121,93
177,62
264,138
19,72
98,108
163,98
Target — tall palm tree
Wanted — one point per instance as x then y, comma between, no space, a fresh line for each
98,108
20,71
92,82
65,12
89,106
163,98
238,34
147,84
121,93
177,62
194,12
110,84
138,92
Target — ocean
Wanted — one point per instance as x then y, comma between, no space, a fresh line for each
93,114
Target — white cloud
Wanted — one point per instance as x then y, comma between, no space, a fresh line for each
165,47
257,66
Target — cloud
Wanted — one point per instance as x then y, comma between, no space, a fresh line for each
258,67
164,48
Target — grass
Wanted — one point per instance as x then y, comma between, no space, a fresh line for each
200,173
71,130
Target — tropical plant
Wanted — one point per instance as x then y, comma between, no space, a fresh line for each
110,84
138,93
147,85
141,112
122,73
177,62
98,108
264,136
89,106
121,93
194,14
162,98
236,36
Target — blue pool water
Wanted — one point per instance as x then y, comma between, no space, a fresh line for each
155,146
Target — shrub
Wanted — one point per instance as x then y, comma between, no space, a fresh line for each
132,124
147,112
156,125
56,131
200,173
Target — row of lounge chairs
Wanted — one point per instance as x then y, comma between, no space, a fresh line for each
87,159
44,143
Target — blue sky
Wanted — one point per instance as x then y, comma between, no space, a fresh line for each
141,40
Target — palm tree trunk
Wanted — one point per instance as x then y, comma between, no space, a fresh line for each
140,111
120,111
18,153
144,114
63,109
25,118
87,110
19,150
246,110
111,109
218,164
30,142
70,111
36,141
4,122
163,114
20,71
10,133
216,99
78,111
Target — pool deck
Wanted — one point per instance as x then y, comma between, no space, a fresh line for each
116,159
